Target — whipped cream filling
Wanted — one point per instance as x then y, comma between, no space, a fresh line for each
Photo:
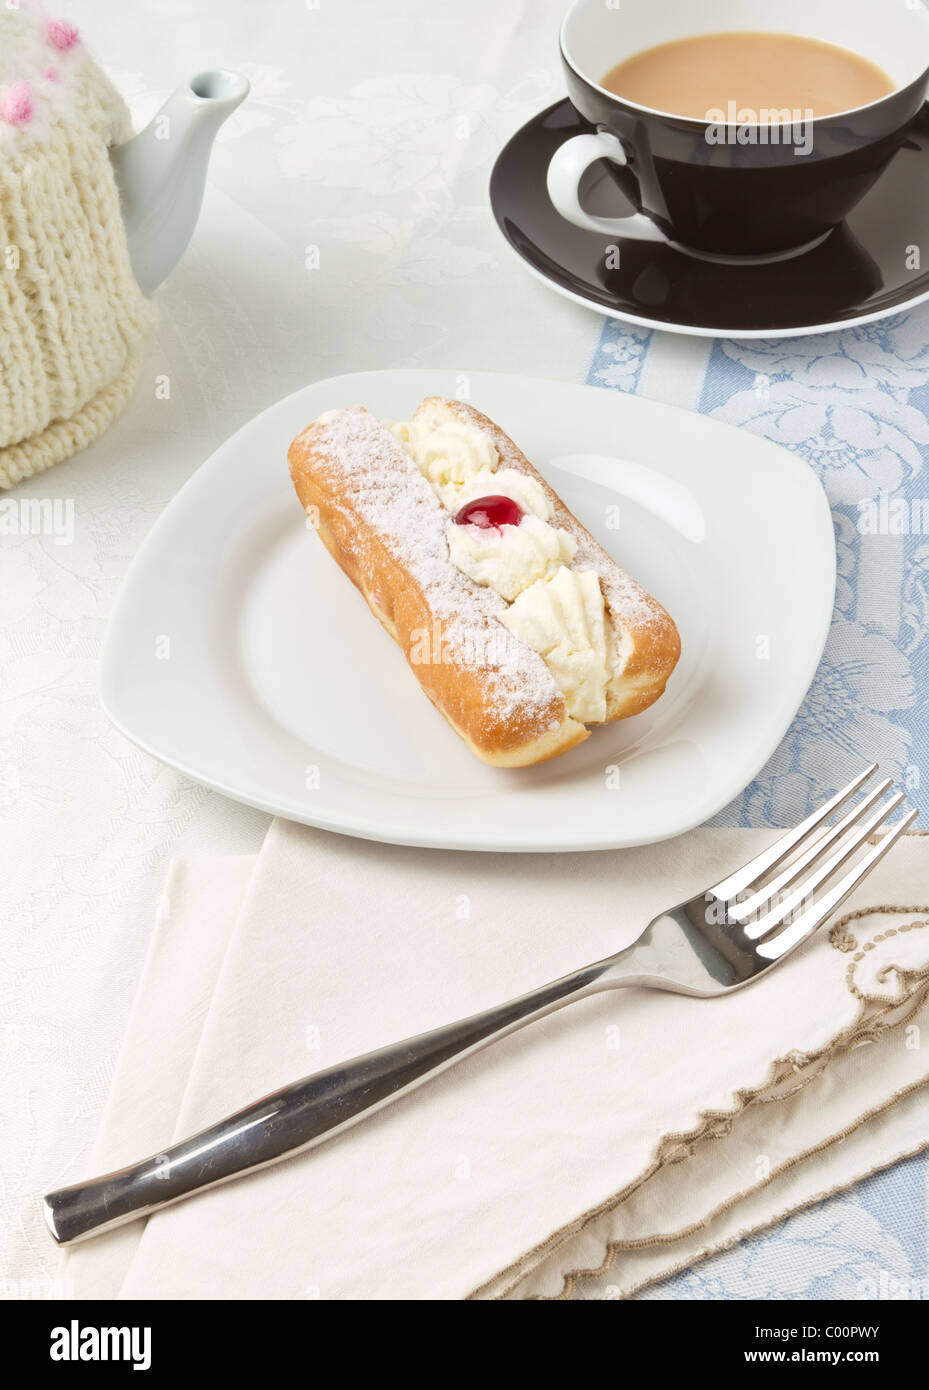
511,558
526,492
450,455
557,611
564,620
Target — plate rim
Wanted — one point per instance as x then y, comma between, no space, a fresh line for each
357,825
670,326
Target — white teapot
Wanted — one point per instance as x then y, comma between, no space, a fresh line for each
161,172
92,219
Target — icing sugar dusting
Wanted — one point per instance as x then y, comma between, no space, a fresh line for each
627,600
387,489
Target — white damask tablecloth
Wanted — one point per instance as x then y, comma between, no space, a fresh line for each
346,227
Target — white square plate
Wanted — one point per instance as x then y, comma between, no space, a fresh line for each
239,653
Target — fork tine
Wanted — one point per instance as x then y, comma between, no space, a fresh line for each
769,858
745,909
816,915
777,915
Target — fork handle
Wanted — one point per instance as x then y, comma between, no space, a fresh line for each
298,1116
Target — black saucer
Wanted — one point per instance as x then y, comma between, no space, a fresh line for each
859,273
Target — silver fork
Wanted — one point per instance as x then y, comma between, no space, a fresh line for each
715,943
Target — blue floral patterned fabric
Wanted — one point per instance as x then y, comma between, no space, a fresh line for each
855,405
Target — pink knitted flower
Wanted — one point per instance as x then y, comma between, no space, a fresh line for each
61,34
51,74
16,103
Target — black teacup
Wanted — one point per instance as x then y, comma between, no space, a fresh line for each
735,188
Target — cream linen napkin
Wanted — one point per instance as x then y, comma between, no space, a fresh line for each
642,1128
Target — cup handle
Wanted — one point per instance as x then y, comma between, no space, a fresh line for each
567,167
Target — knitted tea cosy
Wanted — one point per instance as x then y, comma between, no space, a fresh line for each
72,318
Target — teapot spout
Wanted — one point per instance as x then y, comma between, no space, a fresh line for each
161,172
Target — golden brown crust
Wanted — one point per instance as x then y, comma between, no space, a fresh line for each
458,687
505,720
651,641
